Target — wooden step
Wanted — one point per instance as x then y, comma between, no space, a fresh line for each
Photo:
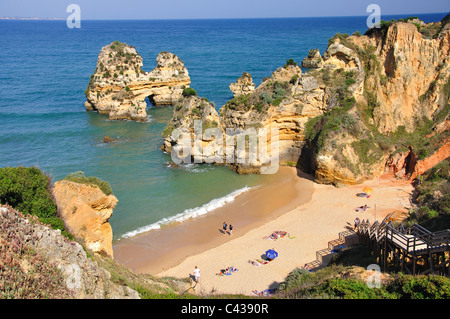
324,256
314,265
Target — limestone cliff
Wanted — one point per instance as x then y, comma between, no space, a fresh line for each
411,71
56,267
370,98
284,102
404,97
119,86
85,211
313,60
243,85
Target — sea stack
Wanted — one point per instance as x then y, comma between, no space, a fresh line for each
243,85
119,87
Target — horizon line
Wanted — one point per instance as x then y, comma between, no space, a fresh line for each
224,18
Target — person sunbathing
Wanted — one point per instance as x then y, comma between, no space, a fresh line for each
362,208
276,234
262,261
221,272
226,271
279,234
254,263
264,293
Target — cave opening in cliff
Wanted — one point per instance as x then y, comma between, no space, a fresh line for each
410,162
150,100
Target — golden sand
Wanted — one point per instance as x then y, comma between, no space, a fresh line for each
313,214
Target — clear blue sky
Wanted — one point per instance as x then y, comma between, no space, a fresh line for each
195,9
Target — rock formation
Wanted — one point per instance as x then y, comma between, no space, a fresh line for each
119,86
86,210
313,60
423,165
82,277
285,101
411,72
243,85
404,91
345,119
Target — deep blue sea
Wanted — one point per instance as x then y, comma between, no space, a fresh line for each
45,68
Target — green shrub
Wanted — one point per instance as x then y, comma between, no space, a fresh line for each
421,287
168,130
27,190
189,92
333,282
342,37
278,93
346,289
294,79
290,62
433,199
79,177
350,81
266,98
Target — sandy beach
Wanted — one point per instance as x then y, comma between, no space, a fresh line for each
158,250
313,214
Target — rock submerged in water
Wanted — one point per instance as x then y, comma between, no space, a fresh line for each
108,139
119,87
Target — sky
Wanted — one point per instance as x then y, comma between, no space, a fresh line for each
213,9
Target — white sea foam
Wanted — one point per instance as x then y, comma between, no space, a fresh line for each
190,213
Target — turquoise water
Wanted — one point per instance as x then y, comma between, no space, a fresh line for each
45,68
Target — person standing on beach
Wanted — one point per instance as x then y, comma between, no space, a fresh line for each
196,274
231,229
357,221
224,227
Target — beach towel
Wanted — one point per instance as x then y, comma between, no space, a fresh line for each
227,271
278,234
338,250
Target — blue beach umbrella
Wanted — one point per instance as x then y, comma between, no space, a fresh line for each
271,254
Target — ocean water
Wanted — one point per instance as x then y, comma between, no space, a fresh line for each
45,68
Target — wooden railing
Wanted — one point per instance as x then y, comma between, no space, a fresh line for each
409,244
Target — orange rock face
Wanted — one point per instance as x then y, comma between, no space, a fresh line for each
86,210
440,155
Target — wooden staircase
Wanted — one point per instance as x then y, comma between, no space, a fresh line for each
324,256
415,249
